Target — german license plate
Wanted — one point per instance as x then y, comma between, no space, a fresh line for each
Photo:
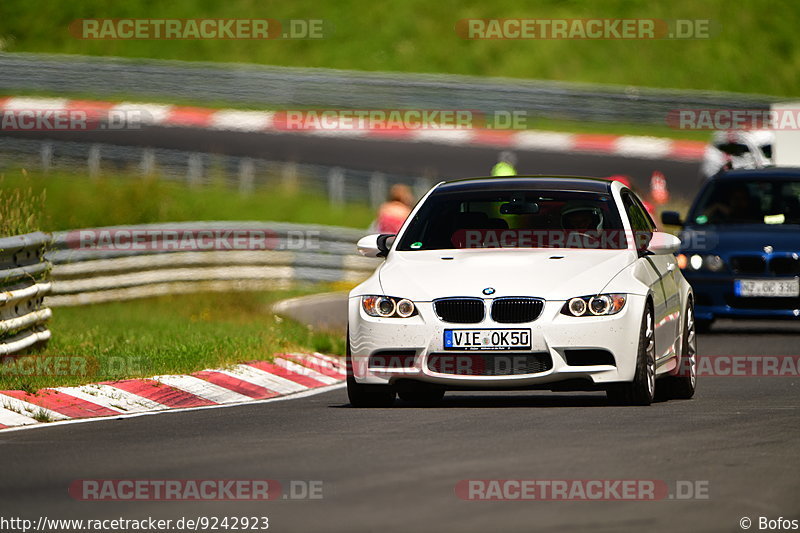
487,339
767,288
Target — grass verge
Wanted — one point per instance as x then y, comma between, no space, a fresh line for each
167,335
21,209
73,201
751,48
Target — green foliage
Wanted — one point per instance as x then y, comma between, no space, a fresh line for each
754,48
166,335
75,201
20,207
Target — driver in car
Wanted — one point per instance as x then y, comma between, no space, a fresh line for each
582,224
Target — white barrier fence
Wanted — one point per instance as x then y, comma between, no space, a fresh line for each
112,268
24,283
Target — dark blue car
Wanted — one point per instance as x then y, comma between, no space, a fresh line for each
741,245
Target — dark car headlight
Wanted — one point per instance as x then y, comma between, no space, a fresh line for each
710,262
388,306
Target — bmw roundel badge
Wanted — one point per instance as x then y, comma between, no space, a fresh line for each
488,291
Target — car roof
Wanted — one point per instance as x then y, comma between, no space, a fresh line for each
773,173
547,183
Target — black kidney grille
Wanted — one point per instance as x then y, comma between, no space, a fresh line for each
516,310
489,364
748,264
784,266
460,310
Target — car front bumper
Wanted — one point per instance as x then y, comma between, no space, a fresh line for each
715,298
421,338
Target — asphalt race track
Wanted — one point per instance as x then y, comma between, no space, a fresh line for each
396,469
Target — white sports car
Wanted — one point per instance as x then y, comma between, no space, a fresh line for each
554,283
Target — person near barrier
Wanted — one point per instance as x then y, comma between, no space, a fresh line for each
506,164
394,211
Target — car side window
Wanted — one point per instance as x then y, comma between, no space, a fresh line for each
648,219
641,224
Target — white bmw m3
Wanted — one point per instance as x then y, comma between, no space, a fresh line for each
553,283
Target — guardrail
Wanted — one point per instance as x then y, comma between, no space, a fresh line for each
24,283
293,252
245,174
285,87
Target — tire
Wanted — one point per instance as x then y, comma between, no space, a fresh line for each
362,395
682,386
642,390
703,326
421,394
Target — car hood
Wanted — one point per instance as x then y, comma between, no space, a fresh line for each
552,274
741,238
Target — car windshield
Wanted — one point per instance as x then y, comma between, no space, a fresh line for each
768,202
515,219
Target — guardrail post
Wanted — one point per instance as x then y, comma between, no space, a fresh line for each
194,170
93,161
148,164
377,189
47,157
336,187
289,176
247,174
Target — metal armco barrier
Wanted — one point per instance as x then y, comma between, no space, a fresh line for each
285,87
24,282
198,169
83,274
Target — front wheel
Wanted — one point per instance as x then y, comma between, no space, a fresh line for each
361,395
642,390
703,326
682,385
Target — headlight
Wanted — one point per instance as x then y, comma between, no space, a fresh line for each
597,305
405,308
712,263
388,306
577,306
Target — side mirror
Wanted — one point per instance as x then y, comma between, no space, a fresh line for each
663,243
671,218
375,245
